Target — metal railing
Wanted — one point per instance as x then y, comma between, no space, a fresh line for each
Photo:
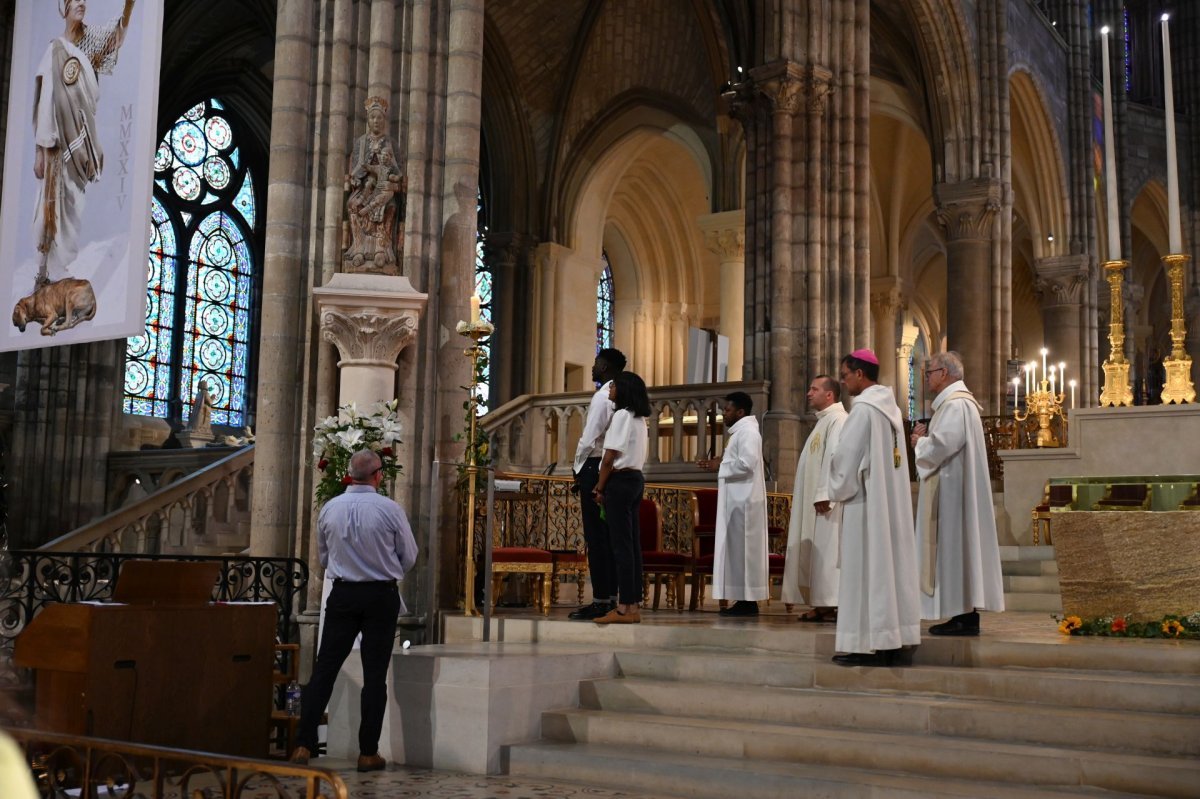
32,579
545,513
199,510
67,765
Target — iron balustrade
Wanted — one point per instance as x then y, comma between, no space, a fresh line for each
68,765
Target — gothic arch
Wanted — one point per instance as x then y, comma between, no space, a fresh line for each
1038,175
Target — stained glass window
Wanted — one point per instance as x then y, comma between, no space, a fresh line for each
483,290
604,307
200,275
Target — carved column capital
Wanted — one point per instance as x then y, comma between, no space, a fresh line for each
887,301
725,234
366,337
966,209
1061,280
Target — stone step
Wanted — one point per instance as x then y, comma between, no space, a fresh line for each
1008,553
1047,602
1033,584
948,758
1029,568
1055,687
1126,731
706,777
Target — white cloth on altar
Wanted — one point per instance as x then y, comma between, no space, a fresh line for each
878,599
740,548
967,574
810,570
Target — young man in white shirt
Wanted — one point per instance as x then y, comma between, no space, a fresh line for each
608,364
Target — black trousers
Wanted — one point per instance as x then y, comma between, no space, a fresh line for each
595,533
353,608
622,500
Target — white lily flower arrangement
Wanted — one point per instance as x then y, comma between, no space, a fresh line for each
336,438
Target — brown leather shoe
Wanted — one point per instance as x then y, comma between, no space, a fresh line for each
373,762
300,756
615,616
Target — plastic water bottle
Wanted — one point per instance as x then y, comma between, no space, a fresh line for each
292,698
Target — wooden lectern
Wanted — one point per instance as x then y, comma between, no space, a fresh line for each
162,665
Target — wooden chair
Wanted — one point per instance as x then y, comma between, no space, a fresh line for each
528,561
1057,497
657,564
1125,496
572,562
283,725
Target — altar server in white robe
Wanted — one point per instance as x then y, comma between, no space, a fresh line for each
958,550
740,547
879,609
810,571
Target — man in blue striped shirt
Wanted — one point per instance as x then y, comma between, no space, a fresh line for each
366,546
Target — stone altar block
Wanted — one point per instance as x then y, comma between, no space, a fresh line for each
1138,564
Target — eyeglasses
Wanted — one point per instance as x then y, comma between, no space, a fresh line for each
928,372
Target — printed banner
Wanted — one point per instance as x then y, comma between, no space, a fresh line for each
75,213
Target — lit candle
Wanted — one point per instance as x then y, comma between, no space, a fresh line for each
474,308
1072,394
1053,369
1016,393
1174,224
1032,378
1045,352
1027,379
1110,158
1062,375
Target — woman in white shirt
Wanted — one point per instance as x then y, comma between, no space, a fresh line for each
619,491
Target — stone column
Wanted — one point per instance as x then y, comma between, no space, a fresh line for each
886,302
281,343
966,211
1062,282
725,234
370,319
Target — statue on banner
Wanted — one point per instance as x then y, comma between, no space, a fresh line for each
67,154
375,206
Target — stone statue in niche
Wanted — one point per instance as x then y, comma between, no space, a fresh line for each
376,204
199,430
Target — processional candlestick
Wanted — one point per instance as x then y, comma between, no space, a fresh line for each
476,330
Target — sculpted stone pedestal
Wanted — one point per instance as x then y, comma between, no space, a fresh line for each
370,319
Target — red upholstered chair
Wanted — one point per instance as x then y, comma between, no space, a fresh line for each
658,564
704,539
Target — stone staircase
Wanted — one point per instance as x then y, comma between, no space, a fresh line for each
753,712
1030,579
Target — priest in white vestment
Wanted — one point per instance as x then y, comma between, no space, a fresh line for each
958,550
879,609
810,571
740,547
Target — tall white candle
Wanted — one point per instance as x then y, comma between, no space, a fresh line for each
1052,371
1032,377
1174,223
1045,352
1072,393
1110,158
474,308
1062,375
1016,393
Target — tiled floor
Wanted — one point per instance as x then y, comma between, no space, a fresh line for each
401,781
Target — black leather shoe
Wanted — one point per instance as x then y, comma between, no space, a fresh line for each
590,612
883,657
963,624
742,607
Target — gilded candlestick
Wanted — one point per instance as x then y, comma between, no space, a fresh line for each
1117,390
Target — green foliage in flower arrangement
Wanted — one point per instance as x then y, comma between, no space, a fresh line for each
338,437
481,447
1171,626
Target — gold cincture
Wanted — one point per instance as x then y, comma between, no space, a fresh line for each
1178,366
1117,390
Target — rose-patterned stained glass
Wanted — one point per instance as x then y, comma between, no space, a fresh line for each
200,302
604,307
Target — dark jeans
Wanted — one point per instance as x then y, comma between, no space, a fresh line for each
622,500
353,608
595,533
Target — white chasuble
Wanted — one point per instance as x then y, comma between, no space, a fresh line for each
740,548
878,596
810,571
956,524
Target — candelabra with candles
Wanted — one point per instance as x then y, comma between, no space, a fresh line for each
476,330
1042,400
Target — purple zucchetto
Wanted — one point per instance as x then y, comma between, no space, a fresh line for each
865,355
